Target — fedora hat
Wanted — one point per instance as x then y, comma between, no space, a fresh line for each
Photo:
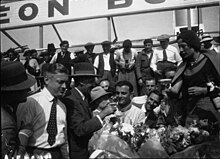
84,69
14,77
216,40
98,92
51,47
206,38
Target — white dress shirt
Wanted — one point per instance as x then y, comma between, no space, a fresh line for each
35,113
172,56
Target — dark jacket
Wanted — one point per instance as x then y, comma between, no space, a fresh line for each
80,124
211,55
66,60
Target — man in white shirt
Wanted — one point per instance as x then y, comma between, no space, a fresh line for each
105,63
42,119
64,57
165,56
131,114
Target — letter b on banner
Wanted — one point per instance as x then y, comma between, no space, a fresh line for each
114,4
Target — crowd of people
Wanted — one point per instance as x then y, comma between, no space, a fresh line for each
55,101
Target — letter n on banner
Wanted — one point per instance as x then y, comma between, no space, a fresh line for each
64,10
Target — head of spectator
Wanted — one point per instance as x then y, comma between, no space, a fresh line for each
51,49
12,55
164,40
56,79
153,100
15,83
89,47
206,42
106,46
99,98
189,44
124,94
104,83
148,45
45,55
169,72
127,45
84,77
34,54
150,85
216,42
64,46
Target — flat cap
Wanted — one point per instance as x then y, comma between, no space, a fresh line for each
163,37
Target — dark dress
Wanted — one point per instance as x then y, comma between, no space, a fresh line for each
198,75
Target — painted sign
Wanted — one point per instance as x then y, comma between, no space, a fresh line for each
36,12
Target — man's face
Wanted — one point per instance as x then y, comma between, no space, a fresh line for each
150,85
90,49
164,43
104,84
186,52
106,48
103,101
64,47
148,47
57,83
153,101
11,56
123,95
87,83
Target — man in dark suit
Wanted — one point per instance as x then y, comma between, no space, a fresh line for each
80,122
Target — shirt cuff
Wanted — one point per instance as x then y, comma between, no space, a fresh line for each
99,119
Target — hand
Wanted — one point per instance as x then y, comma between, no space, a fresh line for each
140,82
107,111
194,91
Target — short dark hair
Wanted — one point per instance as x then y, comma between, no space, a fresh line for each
125,83
148,41
55,68
64,42
157,92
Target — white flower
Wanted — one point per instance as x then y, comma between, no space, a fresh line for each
127,128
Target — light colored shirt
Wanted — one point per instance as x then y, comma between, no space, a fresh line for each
35,113
54,58
106,58
133,116
172,56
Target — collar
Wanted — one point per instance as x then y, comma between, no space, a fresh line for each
47,94
81,94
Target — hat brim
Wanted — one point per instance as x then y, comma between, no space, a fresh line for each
206,39
21,86
106,93
87,75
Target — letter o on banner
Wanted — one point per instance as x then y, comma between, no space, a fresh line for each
33,14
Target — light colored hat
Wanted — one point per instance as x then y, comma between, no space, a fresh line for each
163,37
14,77
97,93
206,38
